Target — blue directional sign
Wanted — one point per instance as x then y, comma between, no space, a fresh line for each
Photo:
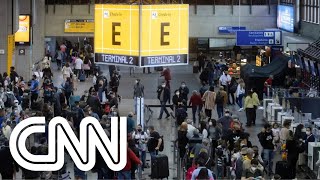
259,38
286,17
230,29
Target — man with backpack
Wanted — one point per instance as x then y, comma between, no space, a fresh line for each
221,100
200,163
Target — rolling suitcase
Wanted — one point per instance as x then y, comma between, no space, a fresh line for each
82,76
283,169
160,167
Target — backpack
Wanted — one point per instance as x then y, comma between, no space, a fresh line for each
219,98
189,172
234,87
10,100
161,145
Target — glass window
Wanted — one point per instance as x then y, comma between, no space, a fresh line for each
310,11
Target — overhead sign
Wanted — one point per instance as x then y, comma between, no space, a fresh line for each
165,37
286,18
10,50
22,36
116,35
259,38
230,29
79,26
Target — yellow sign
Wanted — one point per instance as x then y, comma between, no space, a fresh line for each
23,34
116,35
165,32
11,46
258,61
79,26
163,38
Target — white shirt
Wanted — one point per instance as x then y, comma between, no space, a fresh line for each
7,131
78,63
204,134
190,131
142,139
240,90
67,71
225,79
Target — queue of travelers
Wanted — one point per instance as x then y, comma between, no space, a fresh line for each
209,147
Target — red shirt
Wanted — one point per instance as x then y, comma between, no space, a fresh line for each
131,158
268,82
167,74
195,100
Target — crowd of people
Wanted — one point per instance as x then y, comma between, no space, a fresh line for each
209,148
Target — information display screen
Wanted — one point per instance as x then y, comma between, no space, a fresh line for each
285,19
22,36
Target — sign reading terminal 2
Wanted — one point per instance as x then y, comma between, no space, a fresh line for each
163,39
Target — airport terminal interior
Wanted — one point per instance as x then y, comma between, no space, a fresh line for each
160,89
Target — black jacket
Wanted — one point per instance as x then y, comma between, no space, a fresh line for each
266,140
184,93
166,94
177,99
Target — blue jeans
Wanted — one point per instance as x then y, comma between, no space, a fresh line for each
239,100
153,155
125,175
163,108
220,110
143,155
220,172
268,155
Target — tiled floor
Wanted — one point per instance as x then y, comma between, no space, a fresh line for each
164,126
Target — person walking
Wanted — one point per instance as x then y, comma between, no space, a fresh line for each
232,88
225,80
201,61
221,101
196,103
138,92
78,66
240,93
68,89
163,95
266,141
141,139
66,71
166,73
34,89
209,98
249,108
